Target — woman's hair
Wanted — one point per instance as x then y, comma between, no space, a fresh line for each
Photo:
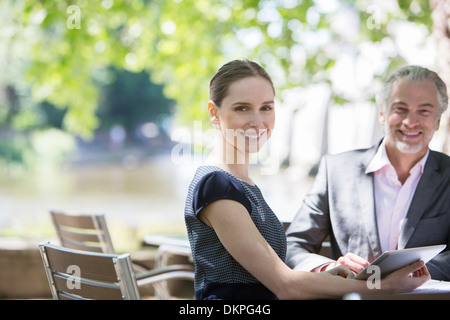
231,72
415,73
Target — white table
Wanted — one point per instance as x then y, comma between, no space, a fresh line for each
431,290
168,245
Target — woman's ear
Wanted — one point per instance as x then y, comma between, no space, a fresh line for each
213,113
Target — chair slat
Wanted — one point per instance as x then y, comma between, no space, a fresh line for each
66,296
79,236
76,221
80,246
98,291
92,267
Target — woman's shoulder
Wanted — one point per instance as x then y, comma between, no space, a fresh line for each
213,183
206,170
211,176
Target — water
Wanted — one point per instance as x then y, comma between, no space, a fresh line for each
149,197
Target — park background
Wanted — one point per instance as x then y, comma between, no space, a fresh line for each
103,103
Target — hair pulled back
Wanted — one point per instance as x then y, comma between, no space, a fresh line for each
231,72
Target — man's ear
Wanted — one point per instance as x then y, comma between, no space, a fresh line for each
213,113
381,117
438,123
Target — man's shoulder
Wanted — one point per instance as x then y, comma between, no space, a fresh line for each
442,160
353,156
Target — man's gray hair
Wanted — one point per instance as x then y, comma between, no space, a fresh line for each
414,73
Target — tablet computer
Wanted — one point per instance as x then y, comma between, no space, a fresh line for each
392,260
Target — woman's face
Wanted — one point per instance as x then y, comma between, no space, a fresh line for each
247,116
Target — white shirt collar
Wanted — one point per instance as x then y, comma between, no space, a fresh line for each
381,159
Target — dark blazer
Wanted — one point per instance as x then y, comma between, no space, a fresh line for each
341,205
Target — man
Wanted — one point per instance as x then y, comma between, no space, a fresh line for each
394,195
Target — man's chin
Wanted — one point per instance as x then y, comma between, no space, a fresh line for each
408,148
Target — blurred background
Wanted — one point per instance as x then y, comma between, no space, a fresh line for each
103,103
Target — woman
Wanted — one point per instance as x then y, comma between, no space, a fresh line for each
237,242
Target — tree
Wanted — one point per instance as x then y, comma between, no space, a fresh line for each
70,44
441,31
131,99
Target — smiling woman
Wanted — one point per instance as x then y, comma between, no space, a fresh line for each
242,111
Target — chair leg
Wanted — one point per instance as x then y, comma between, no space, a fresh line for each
162,291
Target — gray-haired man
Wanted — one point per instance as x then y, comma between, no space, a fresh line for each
394,195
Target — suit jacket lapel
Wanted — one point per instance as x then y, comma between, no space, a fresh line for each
424,191
367,204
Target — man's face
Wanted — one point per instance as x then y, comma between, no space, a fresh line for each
411,116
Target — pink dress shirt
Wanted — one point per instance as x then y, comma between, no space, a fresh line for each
392,199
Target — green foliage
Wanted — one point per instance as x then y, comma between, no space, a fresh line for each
11,150
69,46
131,99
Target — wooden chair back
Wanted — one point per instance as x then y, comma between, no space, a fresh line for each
87,232
81,275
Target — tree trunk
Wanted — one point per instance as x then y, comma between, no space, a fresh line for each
441,31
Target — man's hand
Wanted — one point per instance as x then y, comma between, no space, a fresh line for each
341,271
351,261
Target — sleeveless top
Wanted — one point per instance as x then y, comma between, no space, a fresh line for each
217,274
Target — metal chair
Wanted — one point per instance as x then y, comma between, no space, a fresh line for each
89,232
81,275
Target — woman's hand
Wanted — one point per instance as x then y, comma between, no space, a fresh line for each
402,281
